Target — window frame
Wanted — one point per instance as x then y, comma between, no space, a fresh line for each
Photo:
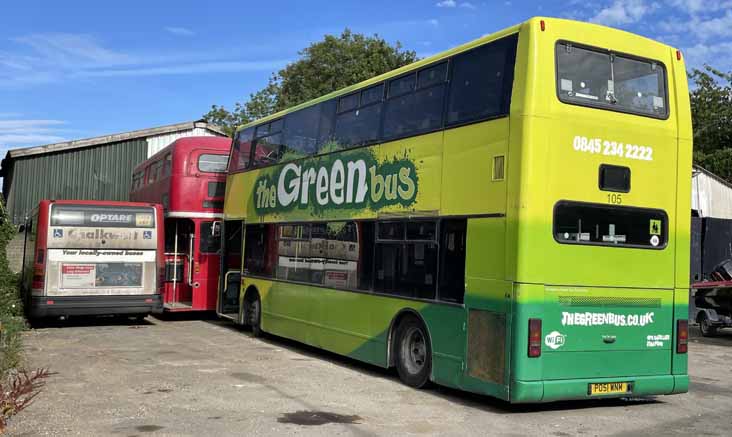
380,138
506,92
609,52
607,206
198,163
371,290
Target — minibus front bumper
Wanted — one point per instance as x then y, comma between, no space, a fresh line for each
55,306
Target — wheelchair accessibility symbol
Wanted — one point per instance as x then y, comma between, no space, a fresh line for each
58,233
147,235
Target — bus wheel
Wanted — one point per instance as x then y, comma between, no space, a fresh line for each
413,353
253,314
705,326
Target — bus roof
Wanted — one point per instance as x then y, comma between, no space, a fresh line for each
186,144
95,202
435,58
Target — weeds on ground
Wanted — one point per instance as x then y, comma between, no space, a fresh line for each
18,387
18,392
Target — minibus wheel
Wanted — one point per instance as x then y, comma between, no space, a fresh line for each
413,353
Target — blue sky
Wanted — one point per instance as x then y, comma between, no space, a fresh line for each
76,69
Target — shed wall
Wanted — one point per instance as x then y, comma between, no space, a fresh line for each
157,142
100,172
710,197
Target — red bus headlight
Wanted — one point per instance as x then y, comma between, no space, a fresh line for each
682,336
534,338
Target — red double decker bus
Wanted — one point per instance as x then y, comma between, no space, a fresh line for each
188,178
85,257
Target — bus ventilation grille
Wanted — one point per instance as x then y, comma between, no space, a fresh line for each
604,301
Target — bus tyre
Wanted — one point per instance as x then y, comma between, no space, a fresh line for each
253,314
413,353
705,326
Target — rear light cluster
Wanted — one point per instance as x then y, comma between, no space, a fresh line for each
534,338
38,282
682,336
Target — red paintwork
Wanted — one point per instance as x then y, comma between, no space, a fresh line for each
186,189
712,284
44,212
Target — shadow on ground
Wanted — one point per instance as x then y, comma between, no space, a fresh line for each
470,400
82,321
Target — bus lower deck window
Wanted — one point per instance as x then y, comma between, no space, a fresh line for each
597,224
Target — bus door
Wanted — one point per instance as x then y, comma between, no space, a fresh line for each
179,257
231,259
206,264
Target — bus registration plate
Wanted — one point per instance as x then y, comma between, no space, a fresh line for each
609,388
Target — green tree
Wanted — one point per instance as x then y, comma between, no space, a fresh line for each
325,66
711,114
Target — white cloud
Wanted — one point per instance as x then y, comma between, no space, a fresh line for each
180,31
713,27
197,68
433,22
700,6
454,4
716,55
24,132
623,12
45,58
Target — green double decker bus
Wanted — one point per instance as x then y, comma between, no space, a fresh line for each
510,217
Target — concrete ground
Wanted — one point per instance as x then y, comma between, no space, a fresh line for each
208,378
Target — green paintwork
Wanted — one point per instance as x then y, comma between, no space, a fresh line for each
608,313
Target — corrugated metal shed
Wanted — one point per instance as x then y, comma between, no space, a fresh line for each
711,196
95,168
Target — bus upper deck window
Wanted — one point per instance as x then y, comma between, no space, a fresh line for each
608,80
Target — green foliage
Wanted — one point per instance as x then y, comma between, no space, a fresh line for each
711,114
325,66
711,109
11,310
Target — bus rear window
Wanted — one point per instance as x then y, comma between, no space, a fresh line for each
212,163
109,216
621,226
603,79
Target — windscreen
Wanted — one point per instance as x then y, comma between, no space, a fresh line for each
608,80
102,216
597,224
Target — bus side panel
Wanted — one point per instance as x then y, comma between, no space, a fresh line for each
488,303
357,324
469,185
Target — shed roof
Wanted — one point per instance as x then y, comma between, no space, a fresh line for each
113,138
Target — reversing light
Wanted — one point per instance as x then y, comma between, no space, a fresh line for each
534,338
542,25
682,336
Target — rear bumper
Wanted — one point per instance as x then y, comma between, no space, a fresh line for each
572,389
94,305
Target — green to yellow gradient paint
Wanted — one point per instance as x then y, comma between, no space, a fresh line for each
608,313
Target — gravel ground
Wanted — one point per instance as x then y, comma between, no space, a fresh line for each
208,378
